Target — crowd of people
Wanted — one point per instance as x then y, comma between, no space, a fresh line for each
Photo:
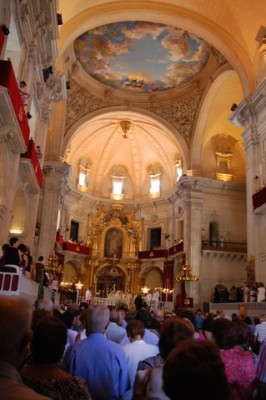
17,253
98,352
246,293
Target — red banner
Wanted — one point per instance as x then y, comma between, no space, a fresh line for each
176,248
32,155
160,253
2,40
8,80
76,248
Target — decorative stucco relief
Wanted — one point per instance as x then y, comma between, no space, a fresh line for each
81,102
180,113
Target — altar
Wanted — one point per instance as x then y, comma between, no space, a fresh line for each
116,300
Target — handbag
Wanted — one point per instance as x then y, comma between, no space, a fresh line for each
141,384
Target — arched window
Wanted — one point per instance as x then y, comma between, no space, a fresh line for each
117,187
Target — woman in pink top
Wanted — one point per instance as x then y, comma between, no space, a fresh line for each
239,363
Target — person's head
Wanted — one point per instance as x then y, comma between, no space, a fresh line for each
114,315
15,329
121,316
243,333
188,315
13,242
173,331
48,340
194,370
37,315
83,319
224,333
22,248
144,316
40,259
69,318
135,329
5,247
97,319
22,84
45,304
159,315
248,320
208,322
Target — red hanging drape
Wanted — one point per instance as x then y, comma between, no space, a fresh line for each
8,80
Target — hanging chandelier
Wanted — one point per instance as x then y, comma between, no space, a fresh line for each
186,274
145,289
125,126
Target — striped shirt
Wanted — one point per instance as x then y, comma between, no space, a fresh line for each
261,365
260,331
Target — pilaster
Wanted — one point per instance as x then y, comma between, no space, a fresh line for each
55,183
251,114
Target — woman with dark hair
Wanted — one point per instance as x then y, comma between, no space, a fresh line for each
44,374
239,363
149,381
194,370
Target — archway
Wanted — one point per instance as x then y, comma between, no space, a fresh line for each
110,280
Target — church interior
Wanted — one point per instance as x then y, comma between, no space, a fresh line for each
133,142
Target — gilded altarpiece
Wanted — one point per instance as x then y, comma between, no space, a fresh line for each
114,235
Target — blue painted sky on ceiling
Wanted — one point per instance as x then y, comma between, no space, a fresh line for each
141,57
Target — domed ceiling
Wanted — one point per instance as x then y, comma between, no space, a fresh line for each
136,59
141,57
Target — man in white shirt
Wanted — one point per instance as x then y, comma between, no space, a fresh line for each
88,296
114,332
260,330
148,299
261,293
136,351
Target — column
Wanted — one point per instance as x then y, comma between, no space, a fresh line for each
192,234
55,179
251,114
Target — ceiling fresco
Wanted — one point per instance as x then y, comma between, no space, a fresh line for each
141,57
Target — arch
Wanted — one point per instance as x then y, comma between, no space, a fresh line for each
148,277
110,278
70,273
215,34
204,126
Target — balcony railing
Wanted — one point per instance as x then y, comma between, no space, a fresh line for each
162,253
224,246
259,198
8,80
77,248
176,248
32,157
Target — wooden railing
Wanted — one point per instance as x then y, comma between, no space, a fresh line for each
216,245
259,198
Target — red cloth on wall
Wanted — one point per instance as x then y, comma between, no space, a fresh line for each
2,40
8,80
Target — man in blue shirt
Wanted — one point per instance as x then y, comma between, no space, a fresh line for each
101,362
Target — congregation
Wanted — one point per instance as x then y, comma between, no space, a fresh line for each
98,352
16,253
